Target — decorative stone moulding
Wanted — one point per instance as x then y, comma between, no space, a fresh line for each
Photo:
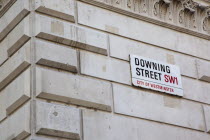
187,16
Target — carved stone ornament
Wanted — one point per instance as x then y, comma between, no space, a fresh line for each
190,5
129,4
206,21
144,6
167,1
161,9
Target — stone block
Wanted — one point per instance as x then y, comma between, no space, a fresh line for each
203,68
18,91
105,67
3,51
166,109
13,16
56,56
127,47
15,65
92,40
16,126
3,105
207,117
188,66
19,36
5,5
55,30
58,120
65,33
63,9
199,92
73,89
102,126
14,40
126,26
15,94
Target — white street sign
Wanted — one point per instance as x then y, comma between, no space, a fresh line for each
156,75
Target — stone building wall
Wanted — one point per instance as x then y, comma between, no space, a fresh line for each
65,71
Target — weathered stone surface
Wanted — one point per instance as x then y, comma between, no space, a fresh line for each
55,30
196,90
105,67
3,105
103,126
127,47
18,92
65,33
63,9
167,109
19,36
3,50
207,117
13,16
142,31
73,35
91,40
16,126
56,56
15,94
15,65
14,40
188,67
5,5
203,68
74,89
57,120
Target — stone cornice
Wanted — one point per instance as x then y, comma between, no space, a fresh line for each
185,16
